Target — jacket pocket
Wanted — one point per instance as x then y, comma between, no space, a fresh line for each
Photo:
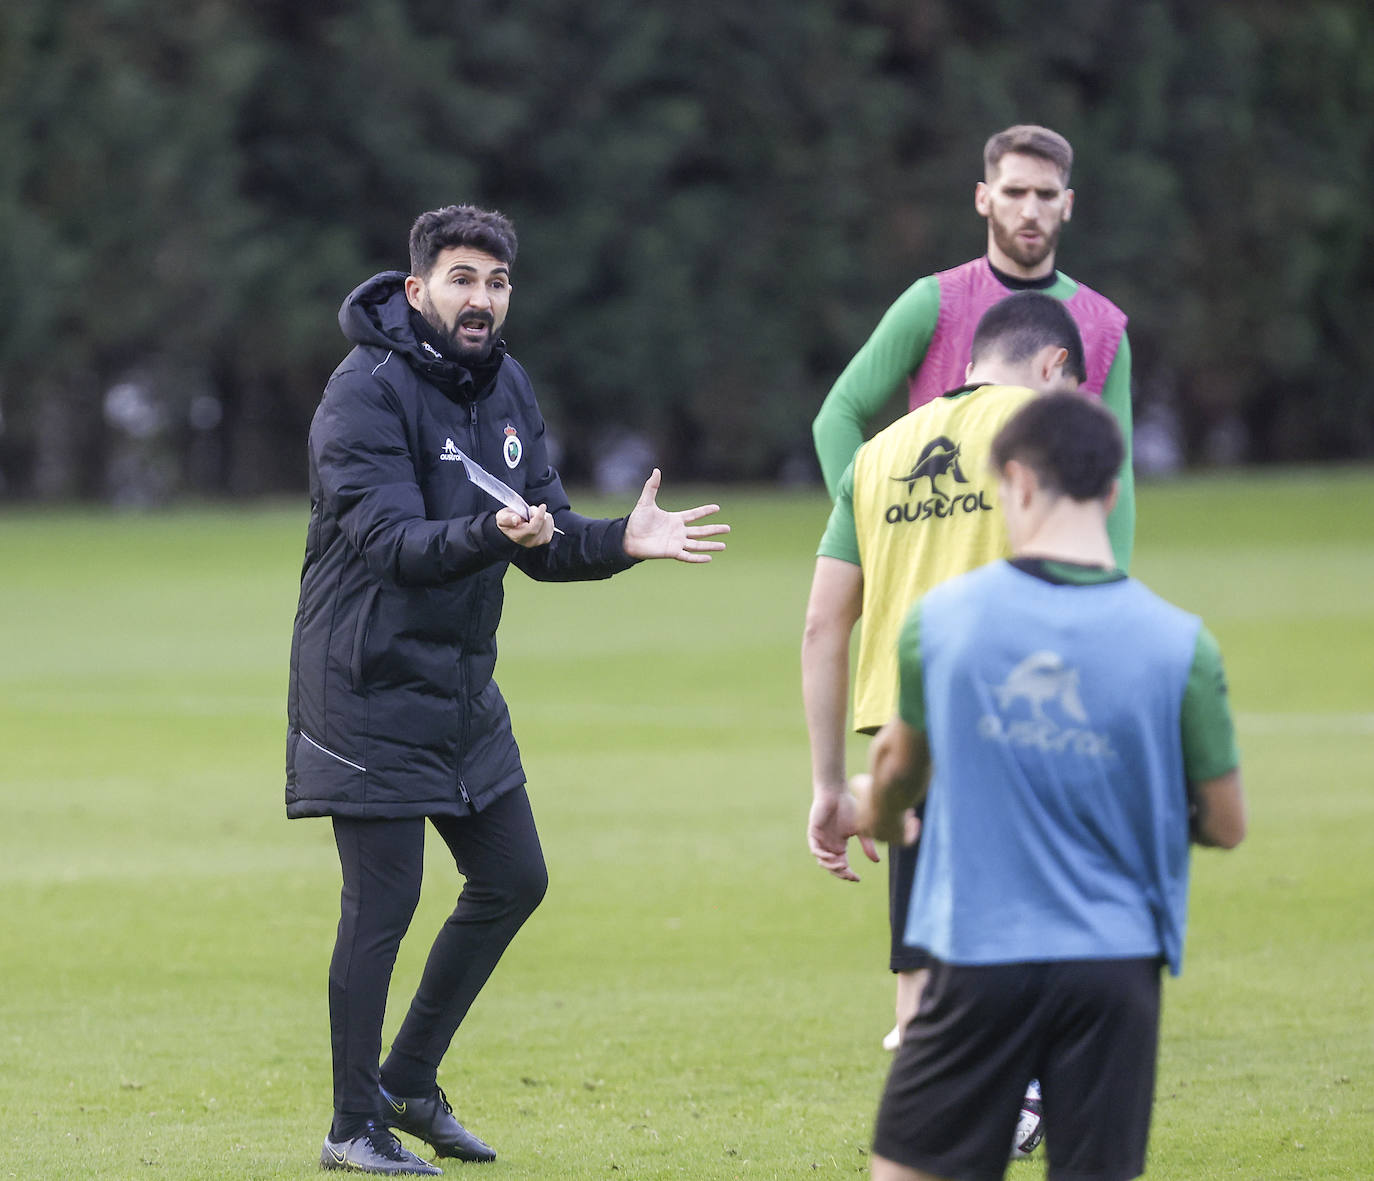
324,750
360,632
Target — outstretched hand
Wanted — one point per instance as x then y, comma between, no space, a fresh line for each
652,532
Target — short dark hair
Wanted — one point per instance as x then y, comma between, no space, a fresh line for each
1069,440
1018,327
1029,139
459,225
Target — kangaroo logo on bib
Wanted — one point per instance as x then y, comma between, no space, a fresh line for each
512,449
1041,678
940,458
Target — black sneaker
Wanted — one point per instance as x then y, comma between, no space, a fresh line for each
431,1119
375,1150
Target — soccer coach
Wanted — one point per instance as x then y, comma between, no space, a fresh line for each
1079,734
394,717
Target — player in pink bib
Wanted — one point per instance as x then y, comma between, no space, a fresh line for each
922,342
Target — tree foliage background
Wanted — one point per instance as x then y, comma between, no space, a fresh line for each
716,202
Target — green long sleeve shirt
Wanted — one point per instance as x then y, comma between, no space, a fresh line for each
882,367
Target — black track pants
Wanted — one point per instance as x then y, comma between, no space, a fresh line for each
497,851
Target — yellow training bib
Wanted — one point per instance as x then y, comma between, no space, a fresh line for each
925,509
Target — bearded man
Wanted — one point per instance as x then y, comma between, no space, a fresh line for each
394,717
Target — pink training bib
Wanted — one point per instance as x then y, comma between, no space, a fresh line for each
967,292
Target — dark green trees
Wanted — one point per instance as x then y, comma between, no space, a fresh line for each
716,203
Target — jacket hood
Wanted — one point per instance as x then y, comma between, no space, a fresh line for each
377,314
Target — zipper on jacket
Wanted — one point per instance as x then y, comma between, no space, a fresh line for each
475,451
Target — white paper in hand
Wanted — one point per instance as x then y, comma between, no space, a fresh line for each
497,488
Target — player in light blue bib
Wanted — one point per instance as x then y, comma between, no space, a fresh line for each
1077,737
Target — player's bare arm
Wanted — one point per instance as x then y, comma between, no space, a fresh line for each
831,613
1218,817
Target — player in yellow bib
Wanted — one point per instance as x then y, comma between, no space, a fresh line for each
923,508
918,505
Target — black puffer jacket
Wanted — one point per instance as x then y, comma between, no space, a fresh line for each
392,708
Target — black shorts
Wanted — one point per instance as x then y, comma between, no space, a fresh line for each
901,870
1087,1029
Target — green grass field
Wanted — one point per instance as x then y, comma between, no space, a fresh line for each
695,998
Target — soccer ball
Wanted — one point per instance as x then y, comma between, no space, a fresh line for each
1030,1127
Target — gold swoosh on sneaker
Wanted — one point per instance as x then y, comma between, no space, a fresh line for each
398,1107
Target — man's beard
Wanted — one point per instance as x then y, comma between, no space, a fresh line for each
456,347
1025,255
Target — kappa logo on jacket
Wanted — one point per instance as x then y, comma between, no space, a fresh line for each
450,452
